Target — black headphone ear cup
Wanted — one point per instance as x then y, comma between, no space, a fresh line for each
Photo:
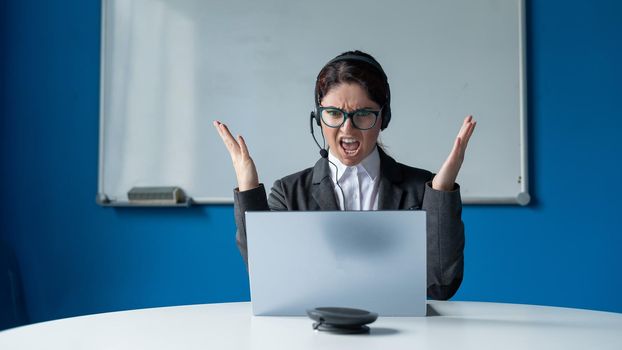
386,117
317,118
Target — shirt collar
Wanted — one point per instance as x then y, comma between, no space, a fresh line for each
370,165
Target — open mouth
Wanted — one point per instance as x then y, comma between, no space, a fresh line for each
349,145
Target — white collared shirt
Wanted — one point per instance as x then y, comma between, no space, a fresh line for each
359,182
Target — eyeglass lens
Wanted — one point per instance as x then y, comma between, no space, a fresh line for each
361,119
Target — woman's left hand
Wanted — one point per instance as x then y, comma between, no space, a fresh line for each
445,179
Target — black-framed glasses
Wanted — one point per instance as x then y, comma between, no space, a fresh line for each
362,119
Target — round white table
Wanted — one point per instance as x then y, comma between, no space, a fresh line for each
450,325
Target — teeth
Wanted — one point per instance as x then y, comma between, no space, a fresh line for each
344,140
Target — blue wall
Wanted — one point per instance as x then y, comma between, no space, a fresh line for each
78,258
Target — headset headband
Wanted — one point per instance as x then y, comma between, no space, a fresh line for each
351,57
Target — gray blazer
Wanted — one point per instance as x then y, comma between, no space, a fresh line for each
400,187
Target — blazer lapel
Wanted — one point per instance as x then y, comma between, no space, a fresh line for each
389,194
322,191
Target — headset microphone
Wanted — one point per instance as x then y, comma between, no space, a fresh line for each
323,151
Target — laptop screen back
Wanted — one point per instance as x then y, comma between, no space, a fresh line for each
373,260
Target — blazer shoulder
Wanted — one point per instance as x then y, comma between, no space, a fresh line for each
298,176
412,173
289,191
301,178
402,173
399,172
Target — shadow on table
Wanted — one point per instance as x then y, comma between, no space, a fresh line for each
430,311
564,320
380,331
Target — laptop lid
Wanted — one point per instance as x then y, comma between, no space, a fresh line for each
373,260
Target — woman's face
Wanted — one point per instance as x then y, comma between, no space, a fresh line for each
349,144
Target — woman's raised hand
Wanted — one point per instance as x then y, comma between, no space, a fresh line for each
446,176
243,164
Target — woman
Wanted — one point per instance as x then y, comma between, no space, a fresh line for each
352,99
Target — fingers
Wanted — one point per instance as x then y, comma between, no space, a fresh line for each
466,130
465,125
243,147
462,140
231,144
223,131
469,132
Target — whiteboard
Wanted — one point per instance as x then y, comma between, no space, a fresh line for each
171,67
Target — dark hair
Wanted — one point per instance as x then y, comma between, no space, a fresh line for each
360,68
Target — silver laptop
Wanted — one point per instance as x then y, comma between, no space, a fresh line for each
372,260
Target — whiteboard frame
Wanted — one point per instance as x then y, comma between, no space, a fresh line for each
523,198
101,197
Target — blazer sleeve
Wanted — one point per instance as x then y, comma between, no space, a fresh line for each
251,200
254,200
445,247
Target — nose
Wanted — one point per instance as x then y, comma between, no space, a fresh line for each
347,125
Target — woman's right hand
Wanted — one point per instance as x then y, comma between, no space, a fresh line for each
242,162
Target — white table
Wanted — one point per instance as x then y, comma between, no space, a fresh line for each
459,325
